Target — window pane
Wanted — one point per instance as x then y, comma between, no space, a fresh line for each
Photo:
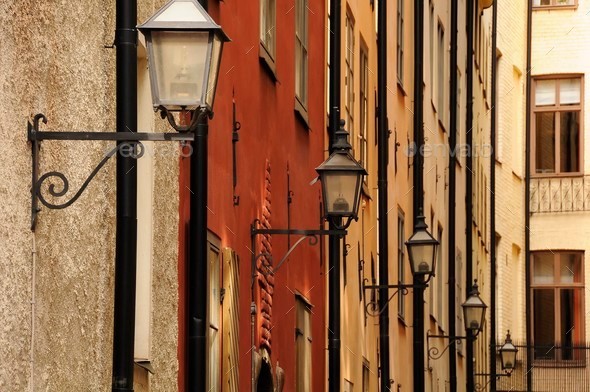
543,268
570,268
544,323
545,142
570,320
569,91
570,141
545,92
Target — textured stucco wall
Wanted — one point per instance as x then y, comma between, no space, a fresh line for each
53,60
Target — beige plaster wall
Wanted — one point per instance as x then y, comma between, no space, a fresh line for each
53,60
359,331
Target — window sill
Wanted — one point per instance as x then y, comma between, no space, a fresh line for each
555,7
267,61
556,175
402,320
400,87
560,363
441,125
301,113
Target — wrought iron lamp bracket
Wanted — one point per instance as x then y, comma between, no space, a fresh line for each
434,353
372,308
311,235
127,142
479,387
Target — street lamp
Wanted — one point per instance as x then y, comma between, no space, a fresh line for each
422,248
342,178
184,48
474,310
508,354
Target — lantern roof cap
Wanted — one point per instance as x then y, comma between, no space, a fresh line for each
182,15
474,300
508,345
341,159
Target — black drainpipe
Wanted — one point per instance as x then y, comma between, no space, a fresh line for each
493,255
527,207
470,15
126,235
334,241
451,234
418,298
382,196
198,266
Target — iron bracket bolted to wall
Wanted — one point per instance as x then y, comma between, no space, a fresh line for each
479,387
131,144
434,353
372,307
312,235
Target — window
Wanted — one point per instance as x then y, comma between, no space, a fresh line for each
440,281
556,122
401,308
349,57
459,295
557,292
431,41
400,41
268,27
231,321
214,339
364,107
553,3
348,386
303,344
440,69
301,52
366,375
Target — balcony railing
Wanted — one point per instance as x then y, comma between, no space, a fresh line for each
560,194
555,368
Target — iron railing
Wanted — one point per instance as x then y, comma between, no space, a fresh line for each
560,194
553,369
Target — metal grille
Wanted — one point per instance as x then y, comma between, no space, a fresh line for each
549,374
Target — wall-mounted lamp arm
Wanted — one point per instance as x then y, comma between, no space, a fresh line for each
372,307
479,387
435,353
128,143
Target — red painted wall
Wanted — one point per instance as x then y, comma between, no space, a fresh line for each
270,131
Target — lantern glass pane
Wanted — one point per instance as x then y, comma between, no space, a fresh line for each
214,69
422,255
340,188
179,61
472,317
508,359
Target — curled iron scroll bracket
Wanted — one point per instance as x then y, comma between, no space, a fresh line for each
373,308
128,144
434,352
65,186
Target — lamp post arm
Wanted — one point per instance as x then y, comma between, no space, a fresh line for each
129,144
435,353
373,309
479,387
